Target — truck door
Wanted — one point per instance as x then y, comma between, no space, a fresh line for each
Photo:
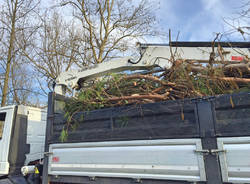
6,121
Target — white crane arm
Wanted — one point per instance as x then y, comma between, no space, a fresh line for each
155,55
73,79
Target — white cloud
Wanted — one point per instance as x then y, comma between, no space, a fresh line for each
211,4
167,13
204,20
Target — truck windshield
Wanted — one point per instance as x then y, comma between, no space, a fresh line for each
2,119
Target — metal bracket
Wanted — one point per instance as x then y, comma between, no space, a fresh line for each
206,152
212,151
48,153
217,151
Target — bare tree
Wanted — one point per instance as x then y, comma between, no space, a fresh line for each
109,26
240,22
54,49
14,15
59,45
21,84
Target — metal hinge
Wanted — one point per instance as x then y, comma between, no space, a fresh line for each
212,151
48,153
202,151
216,151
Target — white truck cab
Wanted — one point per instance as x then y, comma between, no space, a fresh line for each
22,137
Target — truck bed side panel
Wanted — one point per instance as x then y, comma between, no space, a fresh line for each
173,159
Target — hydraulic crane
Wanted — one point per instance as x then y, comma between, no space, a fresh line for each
155,55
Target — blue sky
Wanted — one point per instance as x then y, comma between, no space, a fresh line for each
197,20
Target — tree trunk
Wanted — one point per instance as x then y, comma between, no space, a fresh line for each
9,58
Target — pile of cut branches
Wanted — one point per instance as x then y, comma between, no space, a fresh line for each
183,80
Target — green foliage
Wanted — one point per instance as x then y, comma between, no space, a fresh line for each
87,100
64,135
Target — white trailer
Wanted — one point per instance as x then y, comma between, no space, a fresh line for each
22,137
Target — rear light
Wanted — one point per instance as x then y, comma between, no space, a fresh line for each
237,58
55,159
